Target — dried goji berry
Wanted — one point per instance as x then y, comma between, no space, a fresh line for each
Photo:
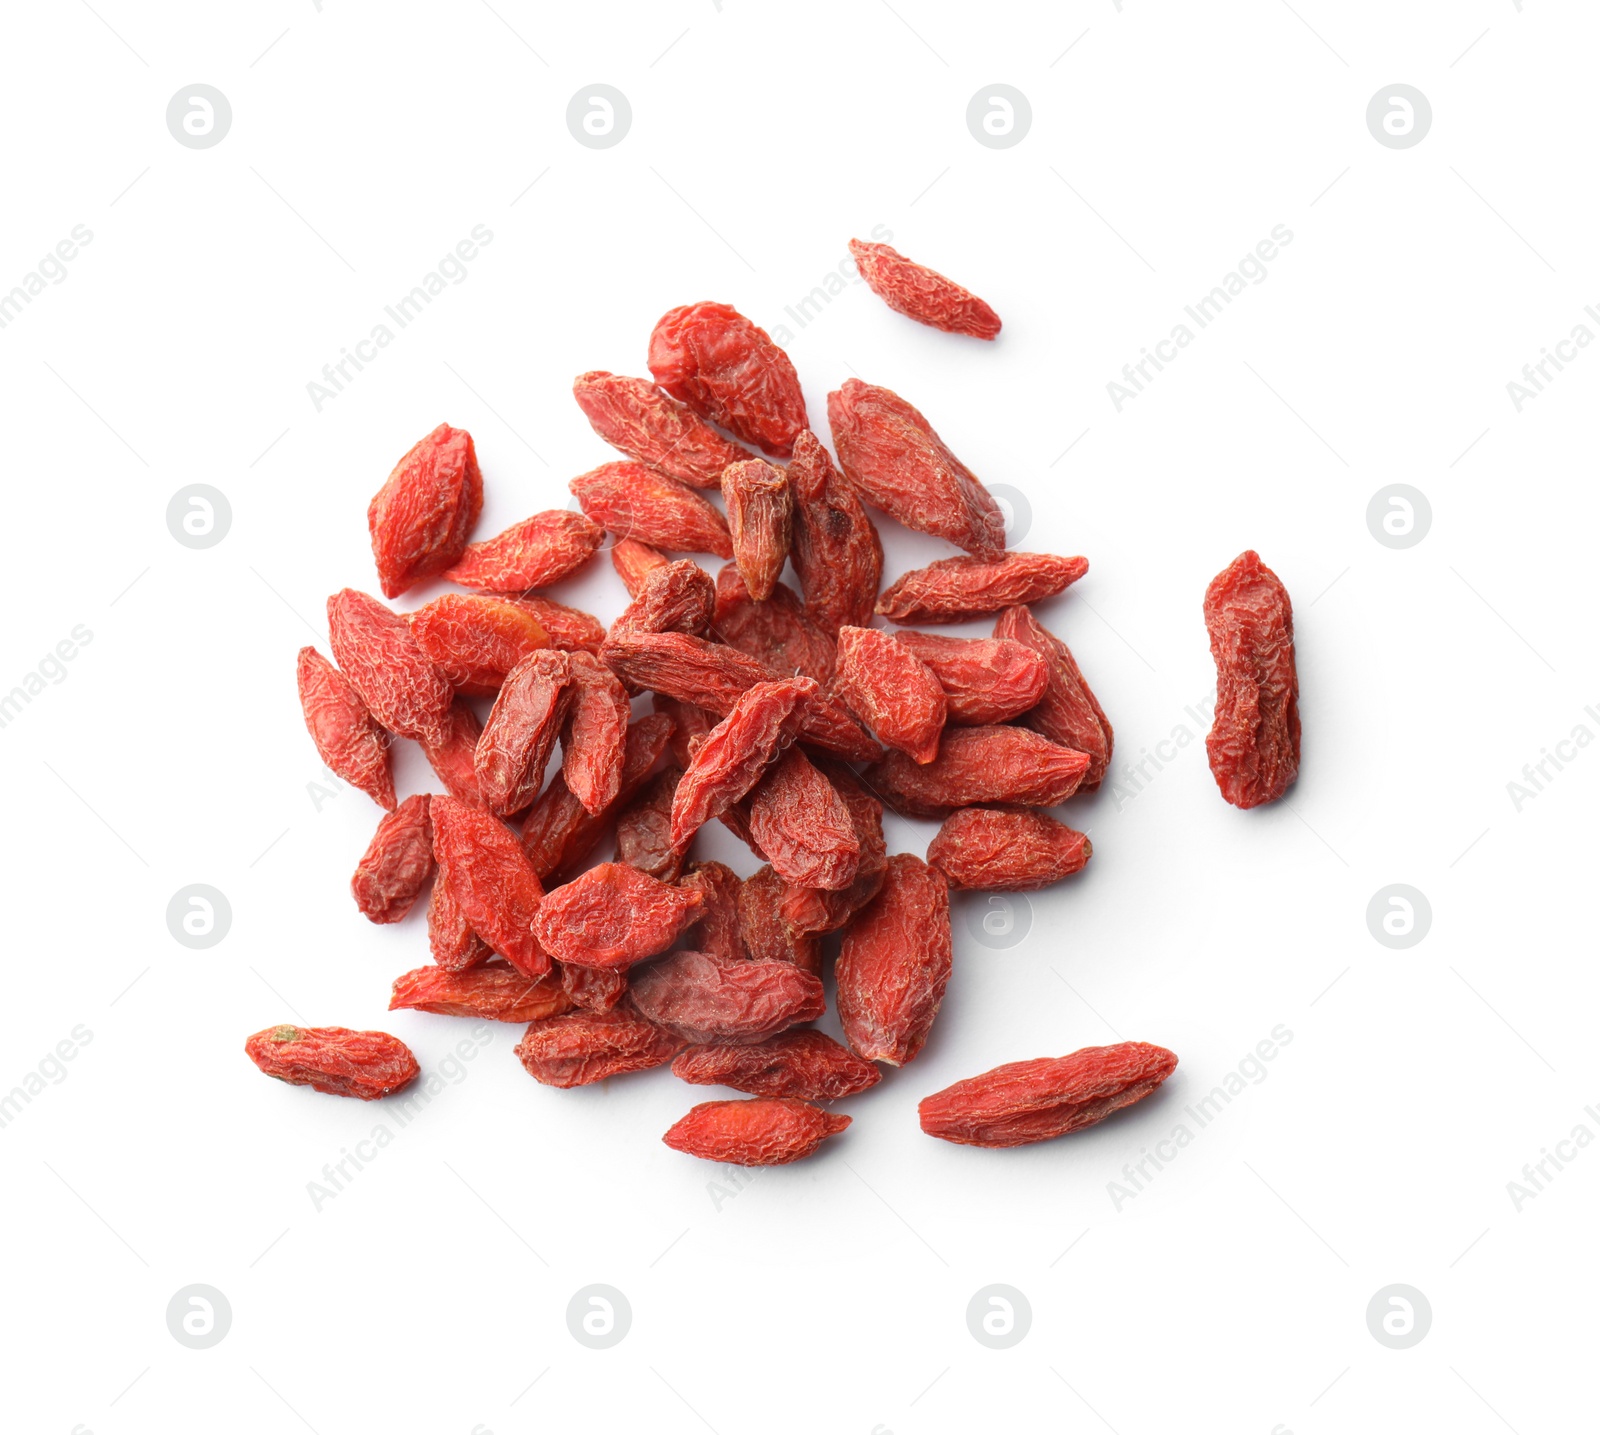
895,963
767,937
891,690
760,511
455,946
634,416
491,879
594,988
629,500
978,765
919,293
633,561
776,632
374,649
957,588
1027,1101
996,850
673,598
689,723
1067,711
836,551
474,640
613,916
895,461
707,998
716,928
421,518
814,910
334,1059
397,863
568,628
727,370
596,734
495,992
1254,742
453,751
802,825
764,1131
535,553
985,680
583,1047
644,828
806,1064
522,730
354,747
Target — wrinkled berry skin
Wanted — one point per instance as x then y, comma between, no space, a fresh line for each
491,880
891,690
613,916
956,588
421,518
1254,742
347,736
993,849
765,1131
985,680
634,416
919,293
581,1047
836,551
980,765
522,729
1068,711
374,649
494,992
535,553
708,998
475,639
778,632
364,1064
806,1064
801,825
760,518
629,500
729,371
397,864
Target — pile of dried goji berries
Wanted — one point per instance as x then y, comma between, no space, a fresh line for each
781,712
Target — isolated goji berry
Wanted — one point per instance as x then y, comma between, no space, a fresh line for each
421,518
956,588
583,1046
629,500
767,937
764,1131
985,680
354,747
633,561
980,765
1254,742
895,461
374,648
453,751
568,628
593,744
496,992
998,850
1027,1101
776,632
895,963
644,828
594,988
675,597
474,639
716,927
919,293
891,690
334,1059
815,910
613,916
802,825
522,729
1067,711
455,946
836,551
397,863
707,998
727,370
491,879
760,512
535,553
805,1063
635,417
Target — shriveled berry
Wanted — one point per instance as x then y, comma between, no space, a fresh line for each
596,734
348,739
802,825
453,751
636,417
985,680
716,928
594,988
613,916
999,850
587,1046
374,649
891,690
776,632
397,863
496,992
629,500
522,729
977,765
474,640
764,1131
491,880
690,725
815,910
675,597
421,518
1067,711
633,561
707,998
760,512
956,588
535,553
455,946
568,628
767,937
644,828
805,1064
919,293
836,551
334,1059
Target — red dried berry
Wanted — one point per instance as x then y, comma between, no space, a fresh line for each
802,825
583,1047
777,632
956,588
1067,711
895,461
634,416
673,598
644,828
633,561
764,1131
491,880
760,512
814,910
716,928
804,1064
352,744
1254,742
613,916
628,500
919,293
980,765
522,730
728,371
707,998
334,1059
690,725
767,937
568,628
397,863
495,992
594,988
596,734
455,946
421,518
535,553
475,640
453,752
994,850
1027,1101
836,551
374,649
985,680
891,690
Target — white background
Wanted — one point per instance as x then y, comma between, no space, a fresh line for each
430,1294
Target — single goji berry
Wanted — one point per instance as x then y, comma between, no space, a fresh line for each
334,1059
767,937
397,863
568,628
535,553
802,826
594,988
629,500
763,1131
421,518
455,946
978,765
895,461
1254,742
985,680
587,1046
453,752
613,916
633,561
474,640
1027,1101
707,998
644,828
956,588
352,744
374,649
635,417
676,597
727,370
1067,711
837,554
522,730
496,992
995,850
919,293
815,910
491,879
895,963
776,632
804,1063
760,514
716,926
596,735
891,690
